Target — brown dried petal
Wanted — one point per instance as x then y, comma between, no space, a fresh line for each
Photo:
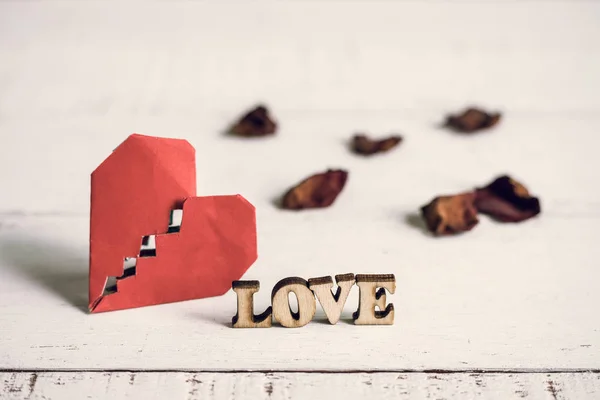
317,191
255,123
472,120
361,144
447,215
507,200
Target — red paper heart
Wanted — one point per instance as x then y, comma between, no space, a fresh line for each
133,193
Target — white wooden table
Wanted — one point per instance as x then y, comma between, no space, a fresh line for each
503,312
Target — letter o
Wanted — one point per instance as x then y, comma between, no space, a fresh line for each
307,305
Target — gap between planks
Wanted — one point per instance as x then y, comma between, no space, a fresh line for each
311,371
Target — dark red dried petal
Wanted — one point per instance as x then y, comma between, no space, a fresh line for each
361,144
472,120
256,122
506,200
317,191
447,215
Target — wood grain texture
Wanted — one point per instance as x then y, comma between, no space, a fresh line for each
78,77
245,317
306,305
372,294
332,303
285,386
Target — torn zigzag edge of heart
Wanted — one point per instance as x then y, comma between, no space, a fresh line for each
147,249
178,224
176,157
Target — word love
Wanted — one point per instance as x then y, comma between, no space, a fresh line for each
372,294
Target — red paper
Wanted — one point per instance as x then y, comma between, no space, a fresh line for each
133,194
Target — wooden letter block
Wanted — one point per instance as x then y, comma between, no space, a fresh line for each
281,305
372,308
333,304
245,318
371,297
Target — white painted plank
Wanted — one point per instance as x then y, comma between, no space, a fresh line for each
280,386
499,297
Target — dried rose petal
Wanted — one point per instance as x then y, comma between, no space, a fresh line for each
317,191
361,144
256,122
472,120
447,215
506,200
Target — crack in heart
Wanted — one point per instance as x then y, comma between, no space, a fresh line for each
147,249
132,193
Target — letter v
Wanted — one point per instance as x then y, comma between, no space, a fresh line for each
333,304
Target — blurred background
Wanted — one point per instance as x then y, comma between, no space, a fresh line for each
77,77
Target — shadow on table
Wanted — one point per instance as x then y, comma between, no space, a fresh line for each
415,220
215,320
56,267
226,321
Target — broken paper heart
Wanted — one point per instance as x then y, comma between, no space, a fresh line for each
151,240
